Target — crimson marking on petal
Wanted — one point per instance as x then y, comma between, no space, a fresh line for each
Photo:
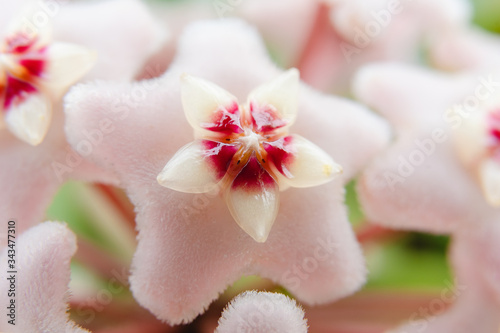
225,121
265,118
281,154
494,125
253,177
19,43
16,91
219,156
33,66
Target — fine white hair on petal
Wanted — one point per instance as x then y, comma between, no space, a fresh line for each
255,312
41,284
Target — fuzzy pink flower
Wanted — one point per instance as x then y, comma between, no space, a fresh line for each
441,175
256,312
42,265
37,65
188,240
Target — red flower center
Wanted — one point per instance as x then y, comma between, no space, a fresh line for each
22,65
248,145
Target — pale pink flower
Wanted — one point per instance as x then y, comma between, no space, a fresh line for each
441,175
436,176
190,249
257,312
39,60
38,290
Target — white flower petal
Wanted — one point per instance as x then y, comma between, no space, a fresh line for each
67,63
253,200
202,99
282,93
471,137
197,167
302,163
29,120
489,173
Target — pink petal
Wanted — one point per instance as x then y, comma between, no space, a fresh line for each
311,229
470,314
256,312
287,36
43,255
475,300
476,257
468,49
419,183
396,91
31,175
319,261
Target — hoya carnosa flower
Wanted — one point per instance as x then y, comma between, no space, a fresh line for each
190,249
253,311
39,60
34,72
245,150
441,175
39,288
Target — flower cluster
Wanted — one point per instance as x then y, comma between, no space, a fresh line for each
215,148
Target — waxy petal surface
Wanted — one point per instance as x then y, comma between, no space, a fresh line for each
281,93
28,118
197,167
202,101
302,162
253,200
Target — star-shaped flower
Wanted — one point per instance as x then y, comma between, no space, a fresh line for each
37,65
33,72
246,150
437,175
189,247
442,174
